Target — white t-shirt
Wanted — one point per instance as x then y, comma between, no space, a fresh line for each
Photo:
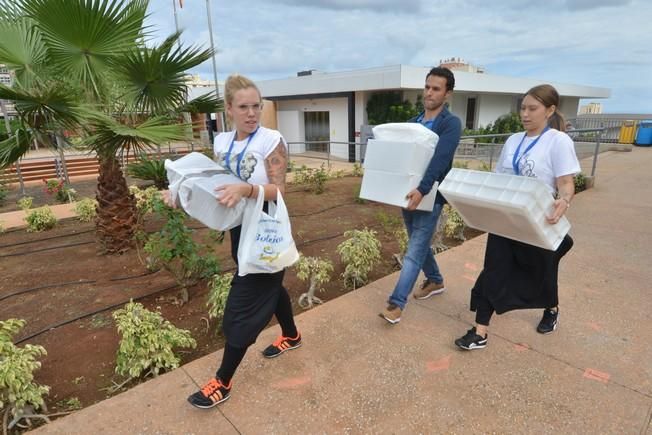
257,148
551,157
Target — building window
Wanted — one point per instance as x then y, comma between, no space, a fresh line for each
317,127
5,80
470,113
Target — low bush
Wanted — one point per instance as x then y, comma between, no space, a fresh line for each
150,170
86,209
218,291
148,342
40,219
25,203
360,253
19,394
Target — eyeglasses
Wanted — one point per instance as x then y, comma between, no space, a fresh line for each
245,108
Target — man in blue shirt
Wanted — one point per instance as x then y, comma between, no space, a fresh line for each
421,225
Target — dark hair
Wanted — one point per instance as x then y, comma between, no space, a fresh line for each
548,96
439,71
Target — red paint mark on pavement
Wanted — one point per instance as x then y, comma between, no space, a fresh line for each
471,266
439,365
521,347
597,375
468,278
594,326
291,383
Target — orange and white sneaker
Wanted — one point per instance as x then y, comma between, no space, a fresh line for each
212,394
281,345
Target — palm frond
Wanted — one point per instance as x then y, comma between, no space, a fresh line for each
45,106
84,37
154,77
22,49
14,147
111,137
206,103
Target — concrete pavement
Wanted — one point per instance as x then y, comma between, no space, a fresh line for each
357,374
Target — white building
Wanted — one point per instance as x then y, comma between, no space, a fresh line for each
331,107
590,109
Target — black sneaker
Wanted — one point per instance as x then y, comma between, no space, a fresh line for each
548,322
212,394
281,345
471,340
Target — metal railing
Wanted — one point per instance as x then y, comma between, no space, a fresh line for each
588,142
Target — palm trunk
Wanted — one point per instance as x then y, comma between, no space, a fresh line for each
116,211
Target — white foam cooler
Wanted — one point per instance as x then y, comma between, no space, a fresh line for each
395,162
507,205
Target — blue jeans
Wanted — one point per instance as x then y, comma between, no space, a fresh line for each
420,227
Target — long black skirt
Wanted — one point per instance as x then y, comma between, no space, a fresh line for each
518,276
251,303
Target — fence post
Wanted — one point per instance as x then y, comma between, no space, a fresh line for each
597,150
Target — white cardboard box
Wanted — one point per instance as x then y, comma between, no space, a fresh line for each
393,169
507,205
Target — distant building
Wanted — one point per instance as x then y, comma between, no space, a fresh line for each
331,107
590,109
458,64
6,79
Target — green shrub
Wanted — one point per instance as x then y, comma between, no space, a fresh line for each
173,249
462,164
454,226
149,169
61,191
580,182
360,253
145,198
86,209
147,342
25,203
40,219
401,236
19,394
315,270
389,222
313,179
218,291
357,170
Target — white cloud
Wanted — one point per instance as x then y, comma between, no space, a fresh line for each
570,41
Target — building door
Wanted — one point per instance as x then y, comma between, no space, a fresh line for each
470,113
317,127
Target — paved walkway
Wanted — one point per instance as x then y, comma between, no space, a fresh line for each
357,374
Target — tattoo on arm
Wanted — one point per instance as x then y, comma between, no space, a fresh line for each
276,166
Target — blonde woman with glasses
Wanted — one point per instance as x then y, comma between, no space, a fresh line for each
258,156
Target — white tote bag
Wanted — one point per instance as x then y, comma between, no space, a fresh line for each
266,244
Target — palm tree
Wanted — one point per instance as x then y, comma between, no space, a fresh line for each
86,65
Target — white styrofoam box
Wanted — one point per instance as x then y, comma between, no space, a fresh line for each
405,158
191,165
391,188
507,205
405,132
199,199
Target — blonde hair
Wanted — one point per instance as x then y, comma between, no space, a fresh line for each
548,96
235,83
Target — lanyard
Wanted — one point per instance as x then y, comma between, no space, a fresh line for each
516,158
241,155
428,124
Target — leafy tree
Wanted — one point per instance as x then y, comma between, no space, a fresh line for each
360,252
386,107
87,66
315,270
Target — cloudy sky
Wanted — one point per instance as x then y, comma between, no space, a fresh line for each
606,43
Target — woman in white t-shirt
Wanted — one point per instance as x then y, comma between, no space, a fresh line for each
258,156
517,275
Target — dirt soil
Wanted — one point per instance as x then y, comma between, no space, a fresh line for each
66,292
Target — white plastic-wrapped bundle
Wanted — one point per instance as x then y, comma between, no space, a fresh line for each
192,182
199,199
188,166
412,132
